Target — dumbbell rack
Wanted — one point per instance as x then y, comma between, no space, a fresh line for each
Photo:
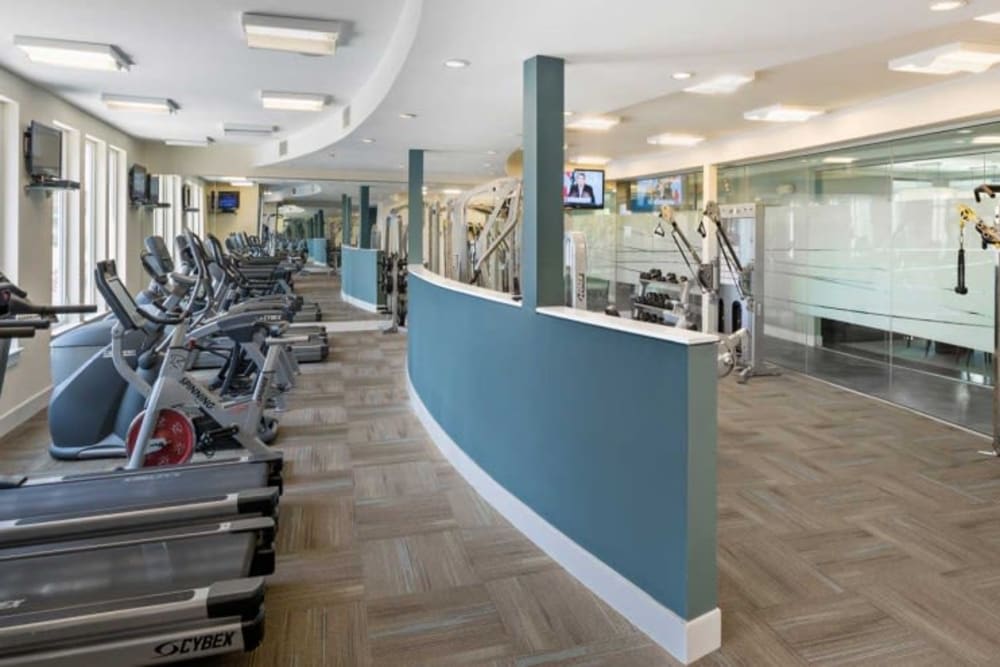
667,316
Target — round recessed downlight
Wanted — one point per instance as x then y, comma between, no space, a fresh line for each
681,76
456,63
407,115
368,140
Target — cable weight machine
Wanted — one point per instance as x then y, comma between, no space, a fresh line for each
990,237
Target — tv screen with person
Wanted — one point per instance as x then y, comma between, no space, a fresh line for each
648,195
583,188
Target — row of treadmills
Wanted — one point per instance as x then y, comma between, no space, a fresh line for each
130,567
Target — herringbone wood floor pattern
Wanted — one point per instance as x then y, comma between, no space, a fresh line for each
850,533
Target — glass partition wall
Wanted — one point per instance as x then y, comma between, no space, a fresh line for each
861,248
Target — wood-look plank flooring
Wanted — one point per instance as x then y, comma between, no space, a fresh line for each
850,533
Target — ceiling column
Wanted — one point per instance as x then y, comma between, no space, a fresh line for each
542,237
364,241
345,221
415,208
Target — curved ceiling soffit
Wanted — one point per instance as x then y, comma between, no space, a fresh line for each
332,128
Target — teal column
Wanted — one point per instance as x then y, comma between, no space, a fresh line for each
345,216
415,208
542,236
366,219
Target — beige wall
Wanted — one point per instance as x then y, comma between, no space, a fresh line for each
27,229
243,220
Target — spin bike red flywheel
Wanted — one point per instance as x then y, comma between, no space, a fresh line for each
174,436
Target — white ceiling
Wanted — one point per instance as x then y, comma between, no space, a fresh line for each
619,60
194,52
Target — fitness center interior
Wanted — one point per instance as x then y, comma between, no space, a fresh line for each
523,334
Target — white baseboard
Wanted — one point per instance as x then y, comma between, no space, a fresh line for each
24,411
685,640
358,303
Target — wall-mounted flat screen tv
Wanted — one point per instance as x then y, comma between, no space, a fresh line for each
649,194
153,189
227,201
43,152
138,184
583,188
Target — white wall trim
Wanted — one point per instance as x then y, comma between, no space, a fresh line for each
358,303
685,640
24,411
625,325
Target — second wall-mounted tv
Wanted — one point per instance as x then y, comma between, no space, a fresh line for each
227,201
138,184
583,188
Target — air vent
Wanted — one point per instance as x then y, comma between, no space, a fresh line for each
283,148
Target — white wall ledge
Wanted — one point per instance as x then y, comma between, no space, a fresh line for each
625,325
429,276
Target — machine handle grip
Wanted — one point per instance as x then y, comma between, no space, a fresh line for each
985,189
17,332
82,309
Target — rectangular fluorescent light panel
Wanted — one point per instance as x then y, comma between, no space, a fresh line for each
989,18
81,55
189,142
271,99
781,113
949,59
243,130
593,123
721,85
131,103
590,159
242,184
987,139
671,139
451,191
835,159
287,33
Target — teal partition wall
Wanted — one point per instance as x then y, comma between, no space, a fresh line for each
359,277
604,427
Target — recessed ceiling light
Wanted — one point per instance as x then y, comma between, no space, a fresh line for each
567,113
242,184
673,139
287,33
64,53
407,115
368,140
965,131
189,142
487,164
594,123
456,63
451,191
947,5
987,139
681,76
272,99
590,159
248,130
837,159
949,59
723,84
782,113
132,103
491,152
400,166
989,18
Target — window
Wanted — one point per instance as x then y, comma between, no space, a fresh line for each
65,226
117,207
94,216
